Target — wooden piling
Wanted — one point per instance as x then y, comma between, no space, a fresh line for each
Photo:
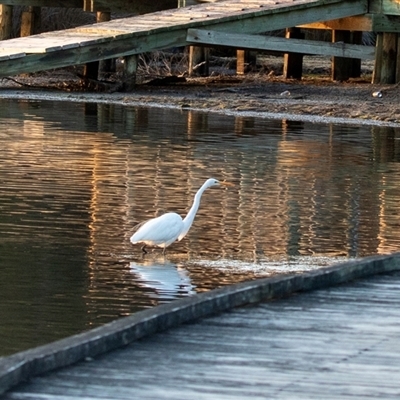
105,66
398,60
293,62
244,60
130,69
198,61
355,72
30,21
6,12
341,66
385,70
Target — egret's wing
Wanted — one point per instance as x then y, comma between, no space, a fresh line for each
158,213
160,230
139,225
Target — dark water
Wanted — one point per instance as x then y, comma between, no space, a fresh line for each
76,178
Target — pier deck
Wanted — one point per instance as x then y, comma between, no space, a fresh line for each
145,33
335,342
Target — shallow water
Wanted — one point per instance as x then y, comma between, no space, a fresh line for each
76,178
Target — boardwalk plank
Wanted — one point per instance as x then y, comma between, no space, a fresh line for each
341,342
46,42
11,54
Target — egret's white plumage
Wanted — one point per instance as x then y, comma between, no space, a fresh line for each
166,229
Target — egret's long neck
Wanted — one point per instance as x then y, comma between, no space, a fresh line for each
188,221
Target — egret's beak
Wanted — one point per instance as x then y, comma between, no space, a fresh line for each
225,183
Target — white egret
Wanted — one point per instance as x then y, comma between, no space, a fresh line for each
166,229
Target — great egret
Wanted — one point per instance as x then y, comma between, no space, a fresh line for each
164,230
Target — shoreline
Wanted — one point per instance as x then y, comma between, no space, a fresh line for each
316,100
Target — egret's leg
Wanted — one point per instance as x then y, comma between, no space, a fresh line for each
144,249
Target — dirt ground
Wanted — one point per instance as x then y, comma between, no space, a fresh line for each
263,93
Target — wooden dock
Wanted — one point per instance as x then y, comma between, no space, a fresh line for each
210,24
328,334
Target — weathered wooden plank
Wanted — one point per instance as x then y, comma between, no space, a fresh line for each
387,7
365,23
299,347
284,16
124,27
5,21
47,42
314,326
215,38
11,55
45,3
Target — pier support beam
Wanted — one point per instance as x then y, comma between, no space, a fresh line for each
198,61
105,66
130,69
398,60
91,70
244,59
344,68
387,58
5,21
30,21
293,62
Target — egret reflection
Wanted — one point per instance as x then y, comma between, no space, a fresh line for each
164,279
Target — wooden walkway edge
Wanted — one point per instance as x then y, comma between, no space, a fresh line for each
25,365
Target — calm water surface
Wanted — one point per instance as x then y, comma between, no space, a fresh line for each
76,178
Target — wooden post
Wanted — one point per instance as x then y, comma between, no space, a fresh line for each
356,38
293,62
30,21
103,16
378,58
5,21
88,5
91,70
389,58
344,68
341,66
240,61
130,68
105,66
398,60
198,61
386,58
244,58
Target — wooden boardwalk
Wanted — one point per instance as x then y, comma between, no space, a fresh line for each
338,342
164,29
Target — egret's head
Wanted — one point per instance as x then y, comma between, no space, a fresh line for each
215,182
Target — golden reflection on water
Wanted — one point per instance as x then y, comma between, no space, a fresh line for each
73,189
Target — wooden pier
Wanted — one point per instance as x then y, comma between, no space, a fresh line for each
328,334
213,24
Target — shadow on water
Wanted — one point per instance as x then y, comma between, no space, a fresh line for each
72,189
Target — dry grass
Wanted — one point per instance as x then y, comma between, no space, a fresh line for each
163,63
